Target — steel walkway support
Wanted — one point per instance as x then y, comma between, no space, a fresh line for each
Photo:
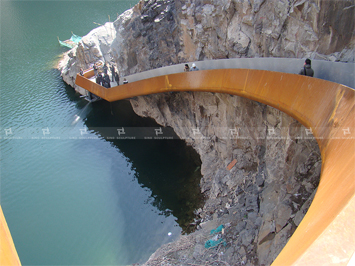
326,234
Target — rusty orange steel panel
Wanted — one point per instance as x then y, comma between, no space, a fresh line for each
8,254
326,235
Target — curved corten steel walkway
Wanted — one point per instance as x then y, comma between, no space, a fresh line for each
326,235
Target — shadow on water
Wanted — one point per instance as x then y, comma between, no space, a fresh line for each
167,167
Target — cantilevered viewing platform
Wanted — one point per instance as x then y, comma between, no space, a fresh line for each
326,234
325,104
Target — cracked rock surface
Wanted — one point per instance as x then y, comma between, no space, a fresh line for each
262,198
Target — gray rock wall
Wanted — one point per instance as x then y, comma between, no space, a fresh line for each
269,188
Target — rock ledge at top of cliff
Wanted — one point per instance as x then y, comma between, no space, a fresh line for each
159,33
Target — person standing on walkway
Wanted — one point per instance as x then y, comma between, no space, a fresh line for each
107,81
117,78
194,67
105,69
103,81
112,68
99,78
95,69
307,69
186,68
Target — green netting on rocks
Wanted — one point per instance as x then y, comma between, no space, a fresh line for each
217,230
213,243
75,38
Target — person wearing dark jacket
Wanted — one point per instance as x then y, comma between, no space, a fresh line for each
105,69
117,78
99,78
107,81
112,68
95,69
307,69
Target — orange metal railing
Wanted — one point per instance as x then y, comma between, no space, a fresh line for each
326,235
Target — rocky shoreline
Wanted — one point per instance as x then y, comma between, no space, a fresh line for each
261,199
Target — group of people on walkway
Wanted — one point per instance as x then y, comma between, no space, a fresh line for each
102,76
193,67
306,70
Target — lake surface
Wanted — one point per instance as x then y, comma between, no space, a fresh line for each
72,193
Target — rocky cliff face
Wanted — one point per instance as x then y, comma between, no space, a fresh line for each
263,197
158,33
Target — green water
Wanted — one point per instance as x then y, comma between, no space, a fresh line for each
69,198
